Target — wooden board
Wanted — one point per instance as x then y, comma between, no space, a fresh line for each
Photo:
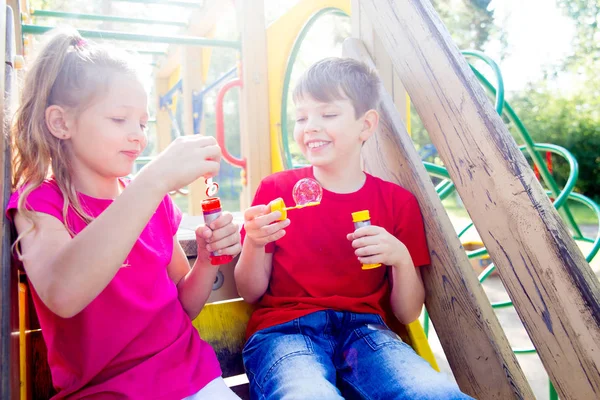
553,288
474,343
254,104
9,344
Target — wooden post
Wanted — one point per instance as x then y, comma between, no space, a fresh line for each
254,105
477,349
191,75
554,290
163,120
363,29
9,322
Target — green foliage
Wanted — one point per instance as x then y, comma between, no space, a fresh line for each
570,122
470,22
586,15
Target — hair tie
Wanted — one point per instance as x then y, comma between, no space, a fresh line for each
81,42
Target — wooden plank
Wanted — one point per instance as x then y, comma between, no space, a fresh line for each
16,6
202,22
363,29
163,120
554,290
9,322
254,105
191,75
477,350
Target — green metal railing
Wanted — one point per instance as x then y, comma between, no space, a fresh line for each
561,196
288,162
138,37
105,18
192,4
507,111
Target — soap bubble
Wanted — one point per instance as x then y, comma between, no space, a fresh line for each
306,191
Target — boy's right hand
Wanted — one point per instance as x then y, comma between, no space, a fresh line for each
186,159
261,226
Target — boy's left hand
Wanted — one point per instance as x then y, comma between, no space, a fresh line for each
375,245
222,236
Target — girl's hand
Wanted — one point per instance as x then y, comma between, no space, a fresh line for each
186,159
221,236
260,227
375,245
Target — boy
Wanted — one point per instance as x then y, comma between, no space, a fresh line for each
318,331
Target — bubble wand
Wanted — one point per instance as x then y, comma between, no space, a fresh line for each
306,193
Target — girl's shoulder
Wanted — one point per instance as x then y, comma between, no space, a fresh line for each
46,198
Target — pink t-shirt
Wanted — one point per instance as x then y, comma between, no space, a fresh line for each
134,341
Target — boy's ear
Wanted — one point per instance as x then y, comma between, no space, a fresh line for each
370,122
57,122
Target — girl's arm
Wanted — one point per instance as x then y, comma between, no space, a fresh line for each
195,285
68,273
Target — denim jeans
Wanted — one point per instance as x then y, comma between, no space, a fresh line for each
330,355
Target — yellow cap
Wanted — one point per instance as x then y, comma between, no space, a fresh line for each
279,205
360,216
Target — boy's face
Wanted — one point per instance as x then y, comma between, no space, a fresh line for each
329,134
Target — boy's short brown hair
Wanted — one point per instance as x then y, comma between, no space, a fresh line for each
336,78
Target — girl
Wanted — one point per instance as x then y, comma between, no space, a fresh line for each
111,285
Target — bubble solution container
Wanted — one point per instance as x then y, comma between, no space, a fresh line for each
211,209
360,219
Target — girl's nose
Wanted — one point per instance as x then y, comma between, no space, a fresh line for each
138,135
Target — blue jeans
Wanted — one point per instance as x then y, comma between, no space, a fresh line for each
339,355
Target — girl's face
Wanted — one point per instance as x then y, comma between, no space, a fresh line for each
109,135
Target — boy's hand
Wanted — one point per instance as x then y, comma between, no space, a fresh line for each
222,236
375,245
260,227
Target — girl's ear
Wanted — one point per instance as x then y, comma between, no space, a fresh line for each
56,121
370,122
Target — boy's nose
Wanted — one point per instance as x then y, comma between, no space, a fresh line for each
311,127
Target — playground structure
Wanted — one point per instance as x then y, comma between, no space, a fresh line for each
547,278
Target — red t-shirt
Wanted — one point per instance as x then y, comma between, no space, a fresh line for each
314,265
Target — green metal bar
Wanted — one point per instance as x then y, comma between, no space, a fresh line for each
196,4
108,18
136,37
499,80
150,52
573,169
553,394
529,144
524,351
288,162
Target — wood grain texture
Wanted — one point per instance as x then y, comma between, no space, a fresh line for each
254,100
553,288
473,341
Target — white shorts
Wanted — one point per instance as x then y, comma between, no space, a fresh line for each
216,389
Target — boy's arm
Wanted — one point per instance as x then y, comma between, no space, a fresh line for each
408,293
253,271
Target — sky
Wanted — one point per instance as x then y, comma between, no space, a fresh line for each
538,35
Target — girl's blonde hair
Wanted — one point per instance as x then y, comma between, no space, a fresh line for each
69,72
